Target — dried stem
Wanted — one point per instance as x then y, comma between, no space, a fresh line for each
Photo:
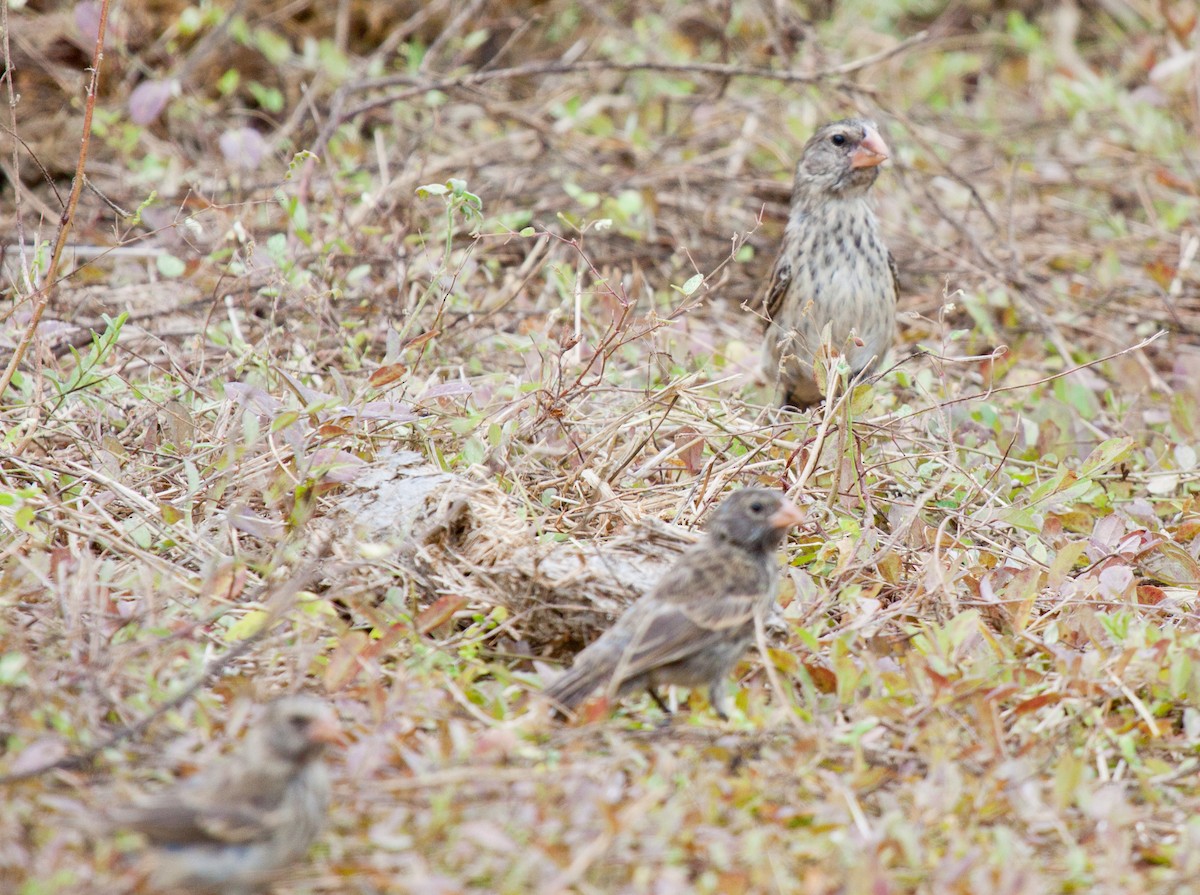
46,292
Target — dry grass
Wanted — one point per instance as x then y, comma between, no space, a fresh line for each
987,645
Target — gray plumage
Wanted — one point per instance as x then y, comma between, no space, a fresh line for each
698,620
233,828
833,269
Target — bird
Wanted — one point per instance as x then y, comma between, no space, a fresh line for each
235,826
833,269
696,622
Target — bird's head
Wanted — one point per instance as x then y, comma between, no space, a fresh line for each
298,728
754,519
842,159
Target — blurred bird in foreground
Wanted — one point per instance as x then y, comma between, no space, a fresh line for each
833,270
695,624
231,829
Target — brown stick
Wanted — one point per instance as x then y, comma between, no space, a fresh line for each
473,79
42,296
278,600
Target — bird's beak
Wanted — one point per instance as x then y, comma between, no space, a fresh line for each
786,516
326,730
871,151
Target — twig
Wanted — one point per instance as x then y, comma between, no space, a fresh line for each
415,87
14,176
830,409
42,296
1149,340
760,639
281,599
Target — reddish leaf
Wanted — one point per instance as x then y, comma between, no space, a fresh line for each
594,710
345,663
440,612
41,753
691,445
387,375
1037,702
337,466
1161,272
418,341
226,581
823,679
1169,563
1150,594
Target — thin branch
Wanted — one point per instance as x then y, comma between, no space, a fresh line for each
416,87
42,296
280,599
1149,340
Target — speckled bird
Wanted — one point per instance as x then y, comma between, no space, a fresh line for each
698,620
833,269
234,827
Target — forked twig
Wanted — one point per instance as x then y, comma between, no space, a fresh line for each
280,599
415,87
43,295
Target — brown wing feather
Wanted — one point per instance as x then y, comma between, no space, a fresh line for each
781,277
183,824
695,604
675,632
225,805
708,593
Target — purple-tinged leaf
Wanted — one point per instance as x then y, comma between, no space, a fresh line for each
243,147
387,411
447,390
244,520
252,396
148,100
337,466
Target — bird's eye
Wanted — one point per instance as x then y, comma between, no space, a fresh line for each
298,721
838,139
757,506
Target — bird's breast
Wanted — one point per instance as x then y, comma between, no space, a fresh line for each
840,252
839,277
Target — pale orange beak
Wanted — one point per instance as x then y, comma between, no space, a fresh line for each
326,730
871,151
786,516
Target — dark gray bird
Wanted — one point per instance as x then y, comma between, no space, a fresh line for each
833,269
698,620
232,828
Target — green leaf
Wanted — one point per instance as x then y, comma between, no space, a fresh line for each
246,626
691,285
284,420
169,266
11,669
1106,455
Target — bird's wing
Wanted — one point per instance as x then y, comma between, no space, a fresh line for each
693,606
218,808
180,823
895,275
777,288
676,632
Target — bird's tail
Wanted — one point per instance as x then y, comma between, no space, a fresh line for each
575,685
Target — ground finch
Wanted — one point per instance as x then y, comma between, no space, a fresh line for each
696,623
833,269
232,828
